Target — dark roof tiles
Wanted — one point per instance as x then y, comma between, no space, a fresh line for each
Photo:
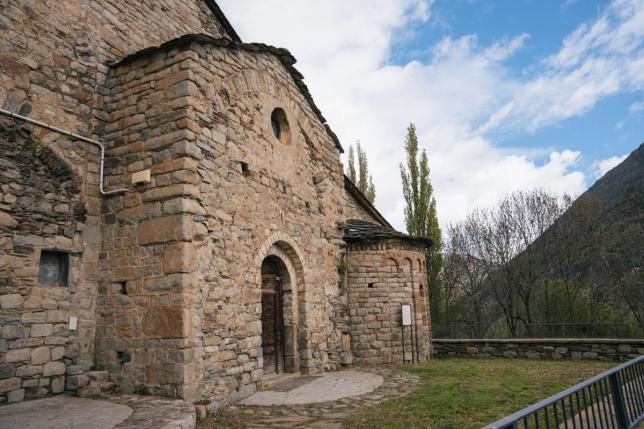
359,230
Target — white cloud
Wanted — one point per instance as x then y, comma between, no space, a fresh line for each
635,111
456,98
605,165
598,59
636,107
568,3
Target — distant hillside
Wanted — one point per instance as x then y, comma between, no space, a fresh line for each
595,250
623,183
581,276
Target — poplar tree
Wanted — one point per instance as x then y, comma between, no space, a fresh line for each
421,219
361,178
351,167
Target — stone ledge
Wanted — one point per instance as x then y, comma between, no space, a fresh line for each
541,348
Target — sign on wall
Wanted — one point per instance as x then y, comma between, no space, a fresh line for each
406,314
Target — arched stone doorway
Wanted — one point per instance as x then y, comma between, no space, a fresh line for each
281,276
274,275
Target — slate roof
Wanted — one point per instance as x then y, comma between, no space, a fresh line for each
358,230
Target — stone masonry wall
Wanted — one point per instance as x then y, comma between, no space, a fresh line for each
193,115
381,276
354,210
557,348
262,196
41,209
55,52
165,279
147,274
54,57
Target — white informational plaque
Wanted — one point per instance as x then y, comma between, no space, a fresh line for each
406,314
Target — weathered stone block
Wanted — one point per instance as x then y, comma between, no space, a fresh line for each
624,348
73,382
57,384
164,229
29,370
7,371
42,330
10,301
160,374
16,396
56,316
40,355
7,220
179,258
57,353
167,322
17,355
54,368
9,384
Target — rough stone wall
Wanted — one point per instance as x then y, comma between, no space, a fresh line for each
166,278
54,57
354,210
556,349
55,52
287,201
147,282
192,116
41,209
381,276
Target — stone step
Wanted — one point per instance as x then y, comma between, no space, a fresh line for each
89,391
98,375
105,386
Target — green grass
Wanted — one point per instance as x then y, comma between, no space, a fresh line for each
470,393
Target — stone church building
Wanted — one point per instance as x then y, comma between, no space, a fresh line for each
219,243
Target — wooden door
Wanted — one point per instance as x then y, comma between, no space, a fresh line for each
272,344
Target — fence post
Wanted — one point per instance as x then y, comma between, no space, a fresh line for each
618,401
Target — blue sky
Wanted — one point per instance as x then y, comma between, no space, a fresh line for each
603,132
506,95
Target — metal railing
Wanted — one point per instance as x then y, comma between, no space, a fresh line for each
611,400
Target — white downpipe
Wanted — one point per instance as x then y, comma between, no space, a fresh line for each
74,136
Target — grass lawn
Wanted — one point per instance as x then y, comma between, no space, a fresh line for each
470,393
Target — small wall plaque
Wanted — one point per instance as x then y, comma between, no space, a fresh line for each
406,314
141,177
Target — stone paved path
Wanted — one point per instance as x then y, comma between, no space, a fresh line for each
63,412
323,415
118,412
330,387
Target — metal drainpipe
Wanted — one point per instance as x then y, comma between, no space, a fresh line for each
74,136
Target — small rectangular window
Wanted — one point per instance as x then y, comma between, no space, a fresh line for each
245,169
54,269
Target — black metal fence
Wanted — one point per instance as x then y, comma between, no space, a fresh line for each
611,400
